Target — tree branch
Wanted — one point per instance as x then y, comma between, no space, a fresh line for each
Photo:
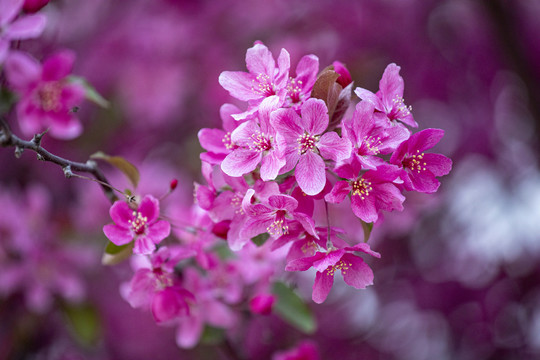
8,139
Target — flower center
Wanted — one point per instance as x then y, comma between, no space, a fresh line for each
306,142
227,142
49,96
261,142
279,226
370,146
263,85
415,162
294,89
341,265
361,187
139,224
399,109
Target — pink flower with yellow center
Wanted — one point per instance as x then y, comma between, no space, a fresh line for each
355,271
141,225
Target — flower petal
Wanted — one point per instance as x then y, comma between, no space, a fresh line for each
149,208
121,214
340,190
322,286
333,147
118,235
314,116
239,84
240,162
359,274
27,27
159,231
310,173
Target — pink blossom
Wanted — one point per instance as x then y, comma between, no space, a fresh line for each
370,192
264,78
155,286
370,137
302,142
255,144
419,170
299,88
389,98
13,28
141,225
355,271
46,96
273,217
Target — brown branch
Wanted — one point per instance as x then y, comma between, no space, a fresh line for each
8,139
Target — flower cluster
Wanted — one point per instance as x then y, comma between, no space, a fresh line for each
295,147
269,171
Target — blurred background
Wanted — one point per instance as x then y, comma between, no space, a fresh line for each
460,270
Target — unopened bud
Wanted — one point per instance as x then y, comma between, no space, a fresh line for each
32,6
344,78
173,184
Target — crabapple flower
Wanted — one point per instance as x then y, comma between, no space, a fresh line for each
419,170
46,96
264,78
355,271
141,225
274,217
155,286
370,192
299,88
369,138
389,98
13,28
255,144
302,142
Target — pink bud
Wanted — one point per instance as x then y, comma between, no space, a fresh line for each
262,304
32,6
174,184
344,78
221,229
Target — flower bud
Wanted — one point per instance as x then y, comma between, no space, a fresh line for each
262,304
344,78
32,6
173,184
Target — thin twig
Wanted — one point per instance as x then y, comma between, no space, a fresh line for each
8,139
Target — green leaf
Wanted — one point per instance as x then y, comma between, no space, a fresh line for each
84,322
89,91
260,239
368,227
121,164
212,335
115,254
290,307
